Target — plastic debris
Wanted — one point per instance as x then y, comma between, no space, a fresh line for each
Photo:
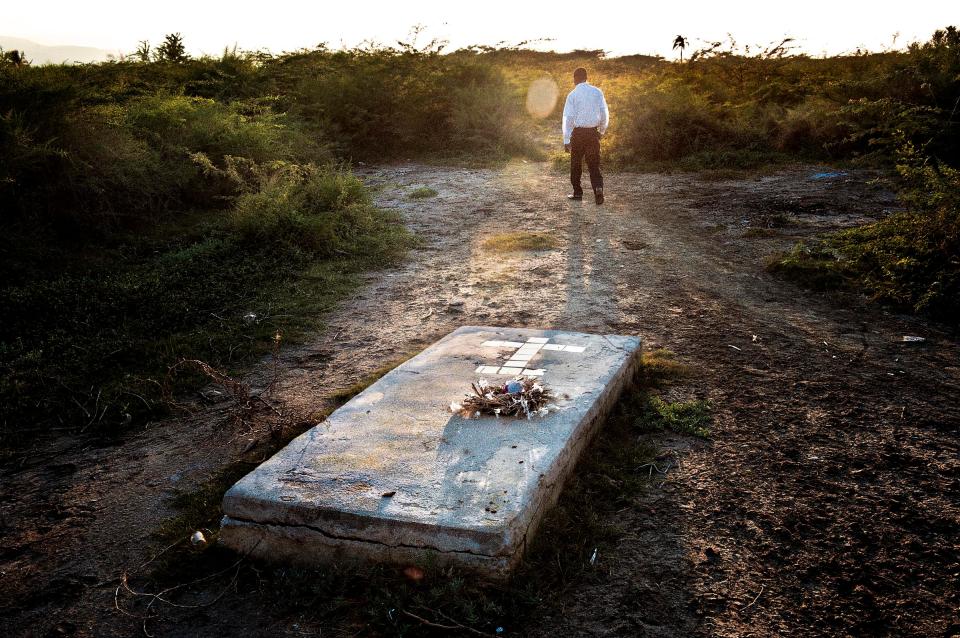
593,559
912,339
198,538
828,175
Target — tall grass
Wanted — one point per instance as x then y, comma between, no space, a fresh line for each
383,103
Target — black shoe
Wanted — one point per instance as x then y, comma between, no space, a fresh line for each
575,197
598,195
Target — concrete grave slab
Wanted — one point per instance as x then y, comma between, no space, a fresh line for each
393,476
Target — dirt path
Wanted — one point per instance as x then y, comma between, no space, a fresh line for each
827,502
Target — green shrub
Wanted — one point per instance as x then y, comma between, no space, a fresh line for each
325,211
909,259
385,103
671,121
808,128
177,124
912,259
485,116
877,128
134,161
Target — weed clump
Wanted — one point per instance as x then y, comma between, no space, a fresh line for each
423,192
684,417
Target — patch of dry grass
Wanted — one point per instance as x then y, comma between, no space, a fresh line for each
660,365
519,241
424,192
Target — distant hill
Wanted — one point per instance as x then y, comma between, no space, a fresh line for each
43,54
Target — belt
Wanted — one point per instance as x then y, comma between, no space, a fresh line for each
585,128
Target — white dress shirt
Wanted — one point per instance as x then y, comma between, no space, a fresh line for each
585,108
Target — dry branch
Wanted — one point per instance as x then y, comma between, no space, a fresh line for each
522,397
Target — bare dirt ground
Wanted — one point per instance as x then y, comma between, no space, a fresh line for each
826,502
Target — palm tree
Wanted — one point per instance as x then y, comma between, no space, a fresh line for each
680,42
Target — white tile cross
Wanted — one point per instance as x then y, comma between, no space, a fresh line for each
520,360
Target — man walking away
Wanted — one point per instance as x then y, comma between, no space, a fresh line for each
585,120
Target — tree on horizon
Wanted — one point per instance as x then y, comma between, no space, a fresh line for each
680,42
172,49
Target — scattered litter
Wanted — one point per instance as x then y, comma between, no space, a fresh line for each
211,394
500,629
828,175
736,348
198,538
653,466
754,338
249,318
414,573
754,601
520,397
593,559
389,494
912,339
428,315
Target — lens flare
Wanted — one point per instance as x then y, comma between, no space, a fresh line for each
541,97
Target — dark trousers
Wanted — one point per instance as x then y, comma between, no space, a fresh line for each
585,145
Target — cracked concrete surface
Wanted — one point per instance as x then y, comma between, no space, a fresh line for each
393,476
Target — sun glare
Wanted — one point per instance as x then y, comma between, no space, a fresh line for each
541,97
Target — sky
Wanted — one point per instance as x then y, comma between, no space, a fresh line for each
620,28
